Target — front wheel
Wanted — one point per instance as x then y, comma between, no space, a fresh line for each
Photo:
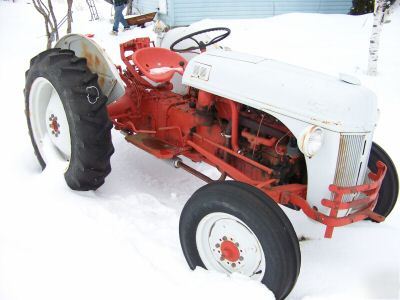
232,227
389,191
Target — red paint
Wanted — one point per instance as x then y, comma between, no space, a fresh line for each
151,59
229,251
294,196
204,100
256,140
235,125
54,125
206,127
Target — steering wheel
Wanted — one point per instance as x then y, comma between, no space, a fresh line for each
200,44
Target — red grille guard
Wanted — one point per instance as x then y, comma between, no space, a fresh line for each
371,191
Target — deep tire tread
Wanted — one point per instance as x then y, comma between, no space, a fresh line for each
67,51
57,57
73,70
79,60
91,78
91,143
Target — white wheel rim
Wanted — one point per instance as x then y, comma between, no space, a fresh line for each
49,122
218,232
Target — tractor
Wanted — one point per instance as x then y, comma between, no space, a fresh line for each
277,133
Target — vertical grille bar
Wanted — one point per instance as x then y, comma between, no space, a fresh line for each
349,161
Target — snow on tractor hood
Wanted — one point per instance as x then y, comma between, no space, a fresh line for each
284,89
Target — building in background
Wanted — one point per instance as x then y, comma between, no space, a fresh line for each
184,12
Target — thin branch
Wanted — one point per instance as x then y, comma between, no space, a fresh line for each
44,7
39,9
55,30
69,14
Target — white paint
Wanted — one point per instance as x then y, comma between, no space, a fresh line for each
211,231
274,86
45,104
83,46
201,71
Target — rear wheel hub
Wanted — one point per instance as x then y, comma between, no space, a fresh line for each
54,125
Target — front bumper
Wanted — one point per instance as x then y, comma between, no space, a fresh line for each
363,207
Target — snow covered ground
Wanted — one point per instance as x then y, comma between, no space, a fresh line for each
121,242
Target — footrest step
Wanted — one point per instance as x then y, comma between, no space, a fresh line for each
153,145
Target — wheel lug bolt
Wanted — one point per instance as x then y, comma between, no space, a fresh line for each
241,258
233,265
237,244
224,238
222,258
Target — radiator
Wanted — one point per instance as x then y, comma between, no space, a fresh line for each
349,166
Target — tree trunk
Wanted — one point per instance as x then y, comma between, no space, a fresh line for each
49,38
42,9
129,7
53,17
69,17
375,36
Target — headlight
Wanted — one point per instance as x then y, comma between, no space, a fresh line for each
311,141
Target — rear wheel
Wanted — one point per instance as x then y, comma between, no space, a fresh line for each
67,118
389,191
233,227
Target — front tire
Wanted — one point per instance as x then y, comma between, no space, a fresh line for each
234,227
389,191
67,117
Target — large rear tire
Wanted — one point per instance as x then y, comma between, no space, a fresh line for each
234,227
389,191
67,117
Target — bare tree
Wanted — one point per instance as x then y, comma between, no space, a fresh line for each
69,15
49,19
132,7
129,7
53,18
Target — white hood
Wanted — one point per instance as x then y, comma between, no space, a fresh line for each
285,89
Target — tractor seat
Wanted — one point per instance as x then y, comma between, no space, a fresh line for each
159,64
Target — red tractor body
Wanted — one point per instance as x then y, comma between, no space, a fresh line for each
284,134
241,142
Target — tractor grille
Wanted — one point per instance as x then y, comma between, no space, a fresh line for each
349,163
